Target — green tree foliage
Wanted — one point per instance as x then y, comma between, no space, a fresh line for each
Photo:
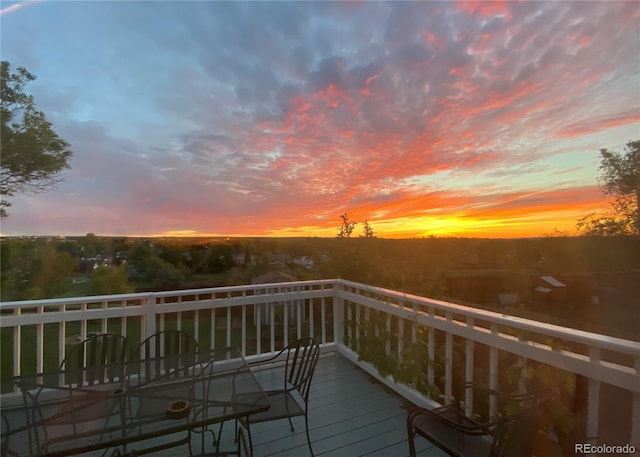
159,273
620,178
109,280
50,273
33,270
32,153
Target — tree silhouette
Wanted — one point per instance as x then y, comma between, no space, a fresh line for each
32,153
368,230
620,177
347,227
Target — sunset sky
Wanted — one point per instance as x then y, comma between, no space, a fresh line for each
273,119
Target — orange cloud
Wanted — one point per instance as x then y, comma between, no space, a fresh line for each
484,8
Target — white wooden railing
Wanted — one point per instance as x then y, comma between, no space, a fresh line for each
259,318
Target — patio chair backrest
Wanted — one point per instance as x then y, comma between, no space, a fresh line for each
170,353
302,358
104,354
515,435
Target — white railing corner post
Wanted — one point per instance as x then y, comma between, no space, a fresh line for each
338,313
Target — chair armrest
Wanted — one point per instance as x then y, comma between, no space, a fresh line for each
539,395
268,360
451,418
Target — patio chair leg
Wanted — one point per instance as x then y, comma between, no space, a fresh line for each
412,445
250,440
410,435
306,424
290,423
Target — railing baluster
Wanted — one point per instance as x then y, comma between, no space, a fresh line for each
448,363
257,310
62,330
468,371
83,323
285,318
196,324
312,332
17,330
401,325
493,374
150,317
213,328
123,325
357,312
323,317
593,397
103,321
387,327
349,325
272,324
338,314
229,326
179,320
39,342
244,330
299,305
431,350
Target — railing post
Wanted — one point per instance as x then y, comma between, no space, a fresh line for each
149,317
338,313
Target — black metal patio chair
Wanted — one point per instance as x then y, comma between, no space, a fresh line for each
511,434
89,372
159,360
292,400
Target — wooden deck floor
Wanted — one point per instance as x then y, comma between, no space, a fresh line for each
350,415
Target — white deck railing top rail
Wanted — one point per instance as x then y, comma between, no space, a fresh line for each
257,318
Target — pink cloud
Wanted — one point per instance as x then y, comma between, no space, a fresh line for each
595,125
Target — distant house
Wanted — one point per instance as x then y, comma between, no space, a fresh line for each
266,309
273,277
88,264
304,261
549,291
281,259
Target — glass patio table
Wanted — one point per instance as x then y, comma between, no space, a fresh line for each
126,409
